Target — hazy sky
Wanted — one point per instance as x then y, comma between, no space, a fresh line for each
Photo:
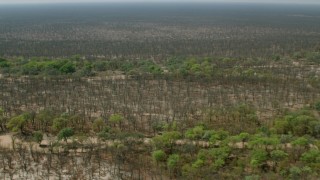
74,1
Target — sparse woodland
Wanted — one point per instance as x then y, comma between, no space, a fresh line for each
179,118
224,93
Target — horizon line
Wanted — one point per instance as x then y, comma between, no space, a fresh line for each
160,2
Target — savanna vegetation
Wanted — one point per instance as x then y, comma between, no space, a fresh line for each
221,94
185,117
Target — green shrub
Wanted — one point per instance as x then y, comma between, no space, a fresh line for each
172,161
159,155
312,156
38,136
65,134
68,68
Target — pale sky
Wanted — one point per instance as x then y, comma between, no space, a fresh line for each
77,1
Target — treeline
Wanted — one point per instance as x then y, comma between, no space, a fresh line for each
43,66
177,66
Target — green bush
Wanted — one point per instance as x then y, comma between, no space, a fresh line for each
278,155
258,157
4,63
195,133
32,68
65,134
317,106
172,161
312,156
38,136
68,68
159,155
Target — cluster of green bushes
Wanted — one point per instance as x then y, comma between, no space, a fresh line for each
62,125
37,67
131,67
4,63
200,67
76,66
298,124
313,57
290,148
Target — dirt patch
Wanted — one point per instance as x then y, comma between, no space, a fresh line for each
6,141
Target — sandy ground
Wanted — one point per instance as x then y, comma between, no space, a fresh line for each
6,141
